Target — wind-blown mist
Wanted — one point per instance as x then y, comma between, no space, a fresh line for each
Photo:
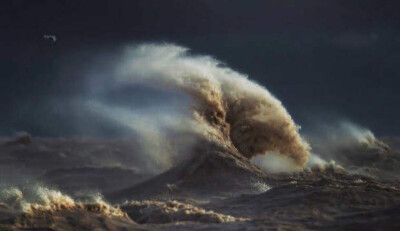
222,107
334,137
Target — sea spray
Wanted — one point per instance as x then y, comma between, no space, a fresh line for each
228,108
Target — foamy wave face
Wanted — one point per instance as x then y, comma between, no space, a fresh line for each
38,198
228,108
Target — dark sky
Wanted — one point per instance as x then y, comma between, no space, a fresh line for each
324,59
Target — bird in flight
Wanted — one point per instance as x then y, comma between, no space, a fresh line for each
52,37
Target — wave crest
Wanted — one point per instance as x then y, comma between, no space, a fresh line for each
230,109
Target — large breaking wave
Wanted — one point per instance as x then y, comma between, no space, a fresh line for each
228,108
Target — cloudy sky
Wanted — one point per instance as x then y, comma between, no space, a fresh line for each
323,59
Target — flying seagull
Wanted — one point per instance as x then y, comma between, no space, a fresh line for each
52,37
